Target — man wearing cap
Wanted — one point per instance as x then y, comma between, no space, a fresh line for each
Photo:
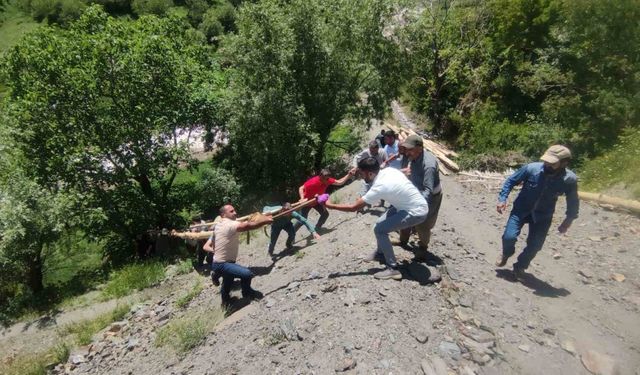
408,208
542,184
425,177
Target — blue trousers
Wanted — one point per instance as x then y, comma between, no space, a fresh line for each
537,235
229,272
391,221
276,228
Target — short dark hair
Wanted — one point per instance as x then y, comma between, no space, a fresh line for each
369,165
325,173
382,131
390,133
374,144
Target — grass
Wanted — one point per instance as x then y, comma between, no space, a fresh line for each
14,26
335,198
82,332
133,277
194,292
184,267
188,331
299,254
35,363
615,168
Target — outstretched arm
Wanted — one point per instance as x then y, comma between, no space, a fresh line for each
251,225
358,204
344,179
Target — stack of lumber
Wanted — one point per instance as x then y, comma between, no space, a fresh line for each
444,155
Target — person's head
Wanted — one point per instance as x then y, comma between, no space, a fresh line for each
389,137
325,175
368,169
413,146
228,212
373,148
556,159
382,132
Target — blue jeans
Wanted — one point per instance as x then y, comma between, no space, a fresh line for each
229,272
287,226
393,220
537,234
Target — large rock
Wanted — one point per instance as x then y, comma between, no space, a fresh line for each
598,363
449,349
434,365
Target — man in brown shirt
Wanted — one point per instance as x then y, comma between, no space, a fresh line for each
225,252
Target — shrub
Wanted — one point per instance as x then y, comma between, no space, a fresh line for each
133,277
83,331
187,332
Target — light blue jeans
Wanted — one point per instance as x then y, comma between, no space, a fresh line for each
393,220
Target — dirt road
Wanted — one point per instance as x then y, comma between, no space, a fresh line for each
323,311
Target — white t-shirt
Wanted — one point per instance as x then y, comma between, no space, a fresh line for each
394,187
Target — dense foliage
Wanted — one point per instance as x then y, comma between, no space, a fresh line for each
298,69
519,74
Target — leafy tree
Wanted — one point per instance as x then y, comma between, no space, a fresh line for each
101,108
447,51
158,7
299,69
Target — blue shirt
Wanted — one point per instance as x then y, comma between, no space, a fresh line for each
540,192
392,150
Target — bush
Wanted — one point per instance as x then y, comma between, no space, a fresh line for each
188,331
157,7
82,332
617,166
133,277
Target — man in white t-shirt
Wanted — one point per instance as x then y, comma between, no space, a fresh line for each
408,208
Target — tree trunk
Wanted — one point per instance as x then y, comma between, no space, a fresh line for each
35,272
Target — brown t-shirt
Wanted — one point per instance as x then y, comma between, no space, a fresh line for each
227,241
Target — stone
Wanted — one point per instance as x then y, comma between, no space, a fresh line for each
289,331
464,314
598,363
293,285
116,326
595,238
557,256
434,365
465,301
329,288
569,346
421,336
549,331
132,343
524,348
586,273
618,277
77,359
477,347
449,349
269,303
346,365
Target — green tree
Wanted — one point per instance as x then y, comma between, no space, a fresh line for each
299,69
100,109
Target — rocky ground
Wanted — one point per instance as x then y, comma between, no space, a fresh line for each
576,312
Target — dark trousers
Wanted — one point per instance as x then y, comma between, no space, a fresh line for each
537,235
322,210
424,228
276,228
229,272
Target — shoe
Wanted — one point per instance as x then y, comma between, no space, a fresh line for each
518,273
389,273
253,294
399,243
501,261
374,257
215,281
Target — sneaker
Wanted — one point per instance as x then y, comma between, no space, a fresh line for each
253,294
501,261
388,273
375,256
